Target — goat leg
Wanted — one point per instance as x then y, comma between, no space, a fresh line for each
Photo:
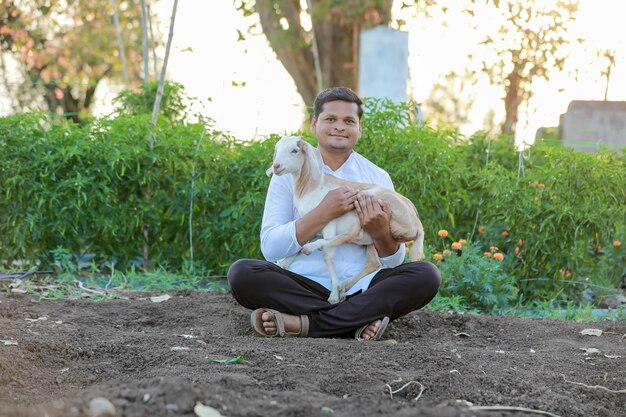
329,258
371,265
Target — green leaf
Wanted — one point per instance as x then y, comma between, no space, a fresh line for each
233,361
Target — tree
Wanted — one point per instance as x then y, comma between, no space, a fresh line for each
64,48
608,55
317,41
530,44
451,100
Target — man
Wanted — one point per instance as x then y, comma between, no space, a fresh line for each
294,301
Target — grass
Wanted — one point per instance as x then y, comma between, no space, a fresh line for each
99,287
550,310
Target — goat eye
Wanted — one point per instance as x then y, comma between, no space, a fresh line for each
294,151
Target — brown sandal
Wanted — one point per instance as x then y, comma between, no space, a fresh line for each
257,324
379,333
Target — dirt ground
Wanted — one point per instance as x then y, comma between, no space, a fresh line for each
153,359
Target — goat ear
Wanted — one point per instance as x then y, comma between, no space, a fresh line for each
302,144
269,171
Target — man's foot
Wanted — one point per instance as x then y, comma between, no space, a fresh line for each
292,323
371,329
271,323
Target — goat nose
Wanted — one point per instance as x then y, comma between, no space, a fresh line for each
277,166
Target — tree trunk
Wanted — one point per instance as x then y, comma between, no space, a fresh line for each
337,34
512,101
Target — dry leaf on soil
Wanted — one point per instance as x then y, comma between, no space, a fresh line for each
160,298
9,342
592,332
202,410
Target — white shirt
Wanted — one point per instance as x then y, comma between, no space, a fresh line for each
278,230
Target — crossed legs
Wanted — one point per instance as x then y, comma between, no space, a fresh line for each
393,292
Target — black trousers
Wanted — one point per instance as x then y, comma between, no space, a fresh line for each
394,292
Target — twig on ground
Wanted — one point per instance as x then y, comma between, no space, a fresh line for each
391,391
505,408
623,391
82,287
21,275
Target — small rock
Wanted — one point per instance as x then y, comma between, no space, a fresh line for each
101,407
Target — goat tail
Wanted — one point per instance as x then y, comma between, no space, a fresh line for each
416,253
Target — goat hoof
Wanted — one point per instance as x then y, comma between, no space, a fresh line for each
306,249
334,298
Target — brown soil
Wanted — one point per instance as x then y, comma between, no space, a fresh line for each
134,352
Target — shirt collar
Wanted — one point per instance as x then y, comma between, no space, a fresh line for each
343,166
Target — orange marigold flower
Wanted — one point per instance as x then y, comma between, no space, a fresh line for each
499,256
438,257
493,248
505,233
407,250
442,233
463,242
520,242
447,252
516,250
617,243
488,254
481,230
410,242
456,246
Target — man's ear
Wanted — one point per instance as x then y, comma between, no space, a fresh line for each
313,125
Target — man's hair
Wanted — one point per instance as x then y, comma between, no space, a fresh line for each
334,94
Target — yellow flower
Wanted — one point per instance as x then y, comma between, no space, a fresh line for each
456,246
481,230
442,233
617,243
493,248
499,256
438,257
410,242
447,252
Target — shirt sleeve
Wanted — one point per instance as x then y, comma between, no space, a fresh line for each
278,228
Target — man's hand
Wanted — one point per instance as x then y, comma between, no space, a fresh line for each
338,202
375,215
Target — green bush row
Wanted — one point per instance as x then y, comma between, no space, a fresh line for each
100,189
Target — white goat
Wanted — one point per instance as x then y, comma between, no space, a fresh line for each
296,156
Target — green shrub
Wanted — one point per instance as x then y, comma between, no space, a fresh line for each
199,195
476,281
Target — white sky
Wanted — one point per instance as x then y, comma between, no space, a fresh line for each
207,58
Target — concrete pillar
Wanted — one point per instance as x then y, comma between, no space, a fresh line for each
383,64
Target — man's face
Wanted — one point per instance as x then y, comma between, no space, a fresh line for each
338,127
